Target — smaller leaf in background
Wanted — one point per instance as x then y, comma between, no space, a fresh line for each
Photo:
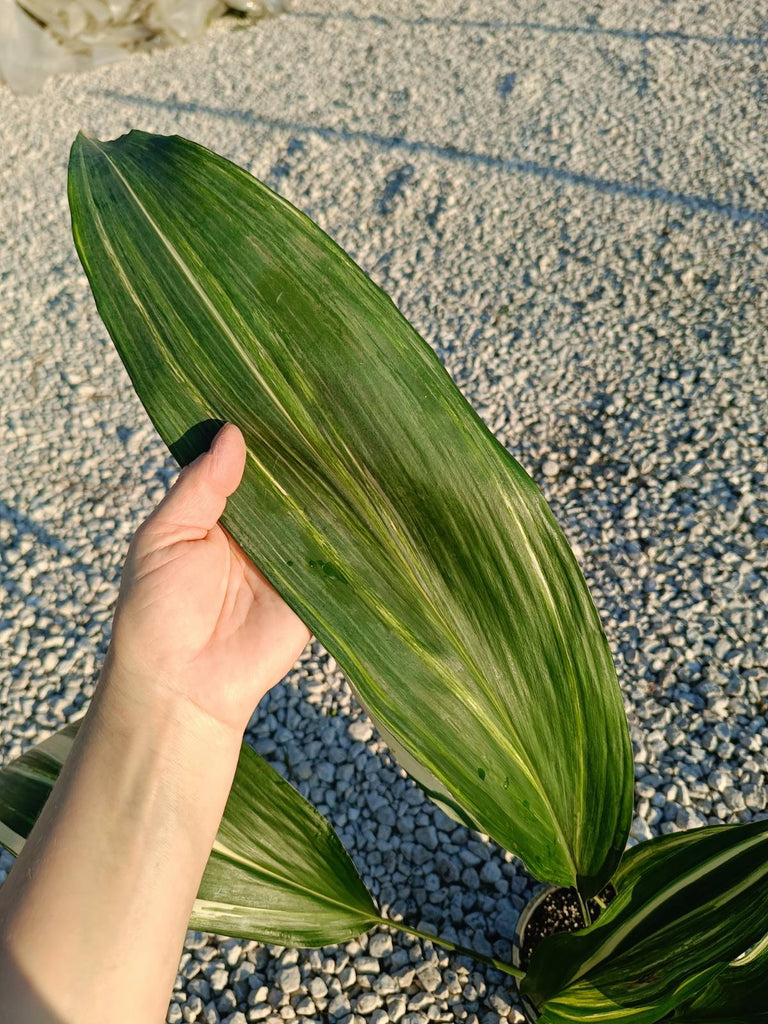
686,905
277,873
26,783
737,996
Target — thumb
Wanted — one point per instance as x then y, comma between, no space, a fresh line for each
195,502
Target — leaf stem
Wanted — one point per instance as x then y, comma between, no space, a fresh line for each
585,914
516,972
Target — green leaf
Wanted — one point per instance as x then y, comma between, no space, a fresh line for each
25,784
277,872
374,499
737,996
686,904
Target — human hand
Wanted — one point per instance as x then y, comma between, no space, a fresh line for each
195,618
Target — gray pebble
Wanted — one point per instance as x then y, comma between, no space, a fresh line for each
430,978
218,979
368,1002
318,988
259,1011
289,979
339,1005
380,945
396,1007
491,872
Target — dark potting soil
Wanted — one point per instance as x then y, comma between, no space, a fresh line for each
559,912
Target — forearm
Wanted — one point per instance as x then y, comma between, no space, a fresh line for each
99,899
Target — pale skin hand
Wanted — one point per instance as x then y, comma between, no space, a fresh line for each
194,614
94,912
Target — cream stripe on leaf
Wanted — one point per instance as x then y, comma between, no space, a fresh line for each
375,500
687,905
278,871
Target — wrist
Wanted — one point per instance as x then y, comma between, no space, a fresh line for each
125,703
173,764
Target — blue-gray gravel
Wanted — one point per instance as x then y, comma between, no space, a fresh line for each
568,201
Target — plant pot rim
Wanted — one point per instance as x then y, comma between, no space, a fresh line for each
538,897
540,893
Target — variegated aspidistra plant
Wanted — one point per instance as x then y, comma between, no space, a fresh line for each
427,562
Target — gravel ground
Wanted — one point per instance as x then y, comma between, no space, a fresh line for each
570,206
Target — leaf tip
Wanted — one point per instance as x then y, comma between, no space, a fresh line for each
82,142
83,138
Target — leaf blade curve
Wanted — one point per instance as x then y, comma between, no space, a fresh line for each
375,500
739,995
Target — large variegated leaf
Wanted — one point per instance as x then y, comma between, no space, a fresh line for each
737,996
374,498
686,905
277,872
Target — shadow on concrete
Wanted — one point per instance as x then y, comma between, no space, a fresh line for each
640,35
546,172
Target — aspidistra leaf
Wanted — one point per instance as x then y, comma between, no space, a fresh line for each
277,873
374,499
739,995
26,783
686,905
